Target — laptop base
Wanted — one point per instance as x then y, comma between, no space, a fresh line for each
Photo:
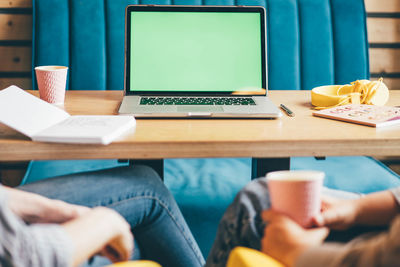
264,108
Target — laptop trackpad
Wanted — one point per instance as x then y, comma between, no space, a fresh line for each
209,109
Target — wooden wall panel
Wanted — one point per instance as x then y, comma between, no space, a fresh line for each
383,23
384,60
383,30
24,83
15,61
15,3
383,6
15,58
15,27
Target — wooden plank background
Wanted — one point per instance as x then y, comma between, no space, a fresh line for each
15,43
16,35
383,24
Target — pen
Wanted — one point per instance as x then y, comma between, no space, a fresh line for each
287,110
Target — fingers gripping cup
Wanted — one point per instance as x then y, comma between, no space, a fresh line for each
296,194
51,82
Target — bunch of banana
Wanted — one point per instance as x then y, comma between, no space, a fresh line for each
357,92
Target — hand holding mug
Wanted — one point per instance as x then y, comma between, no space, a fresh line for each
338,214
296,194
285,240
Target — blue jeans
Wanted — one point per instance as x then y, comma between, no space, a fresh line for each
242,224
138,194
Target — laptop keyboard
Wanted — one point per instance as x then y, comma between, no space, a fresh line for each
226,101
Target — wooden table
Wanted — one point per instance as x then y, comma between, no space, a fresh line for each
302,135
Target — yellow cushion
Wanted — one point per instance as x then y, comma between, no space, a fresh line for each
247,257
141,263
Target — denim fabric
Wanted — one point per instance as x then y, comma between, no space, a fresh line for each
138,194
242,225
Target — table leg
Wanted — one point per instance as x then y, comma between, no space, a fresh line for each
260,166
156,164
12,172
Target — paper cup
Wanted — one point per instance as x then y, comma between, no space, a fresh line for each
296,194
51,82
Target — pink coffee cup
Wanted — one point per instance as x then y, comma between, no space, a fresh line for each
52,81
296,194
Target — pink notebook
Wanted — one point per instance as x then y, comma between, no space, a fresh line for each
375,116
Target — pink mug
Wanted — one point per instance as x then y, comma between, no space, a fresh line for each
52,81
296,194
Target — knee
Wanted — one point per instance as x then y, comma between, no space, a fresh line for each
147,172
257,187
255,195
146,180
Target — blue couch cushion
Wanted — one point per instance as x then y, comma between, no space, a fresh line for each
43,169
354,174
298,30
203,189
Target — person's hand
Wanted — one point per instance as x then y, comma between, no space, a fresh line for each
33,208
120,247
100,231
338,214
285,240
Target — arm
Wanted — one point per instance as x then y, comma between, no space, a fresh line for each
380,250
36,245
377,209
41,209
373,209
84,233
293,245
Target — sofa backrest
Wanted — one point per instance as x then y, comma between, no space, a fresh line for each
310,42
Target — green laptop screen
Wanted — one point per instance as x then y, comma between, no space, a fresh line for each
195,51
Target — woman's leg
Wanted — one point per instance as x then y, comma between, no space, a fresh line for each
242,225
139,195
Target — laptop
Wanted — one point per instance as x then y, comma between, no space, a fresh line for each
196,61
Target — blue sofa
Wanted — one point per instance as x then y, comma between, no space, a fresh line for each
310,43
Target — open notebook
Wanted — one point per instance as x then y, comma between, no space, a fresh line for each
44,122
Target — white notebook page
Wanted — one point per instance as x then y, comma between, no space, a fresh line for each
27,113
